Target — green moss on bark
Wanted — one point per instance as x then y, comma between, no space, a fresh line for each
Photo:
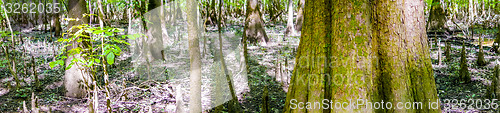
368,50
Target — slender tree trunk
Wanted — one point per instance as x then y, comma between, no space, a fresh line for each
464,68
495,85
480,55
234,104
101,14
195,58
106,75
129,10
56,23
360,46
35,74
12,63
300,15
290,28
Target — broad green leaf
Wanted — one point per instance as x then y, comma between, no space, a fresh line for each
97,60
118,49
53,64
60,62
98,31
110,58
90,64
69,66
88,31
109,33
115,51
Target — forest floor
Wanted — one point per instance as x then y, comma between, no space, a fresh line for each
446,73
270,66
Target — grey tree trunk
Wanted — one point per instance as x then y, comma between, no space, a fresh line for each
290,28
254,25
155,30
77,73
300,15
195,58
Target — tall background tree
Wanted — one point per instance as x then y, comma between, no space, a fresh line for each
300,15
56,23
290,28
378,47
254,25
437,16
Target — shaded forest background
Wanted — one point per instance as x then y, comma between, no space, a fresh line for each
259,38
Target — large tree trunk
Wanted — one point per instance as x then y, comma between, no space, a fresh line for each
437,16
77,73
254,25
370,50
195,58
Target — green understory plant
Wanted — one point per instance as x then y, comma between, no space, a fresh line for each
100,45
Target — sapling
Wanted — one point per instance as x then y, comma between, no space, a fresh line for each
105,40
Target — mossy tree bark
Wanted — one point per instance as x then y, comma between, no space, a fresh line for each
371,50
254,25
437,16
